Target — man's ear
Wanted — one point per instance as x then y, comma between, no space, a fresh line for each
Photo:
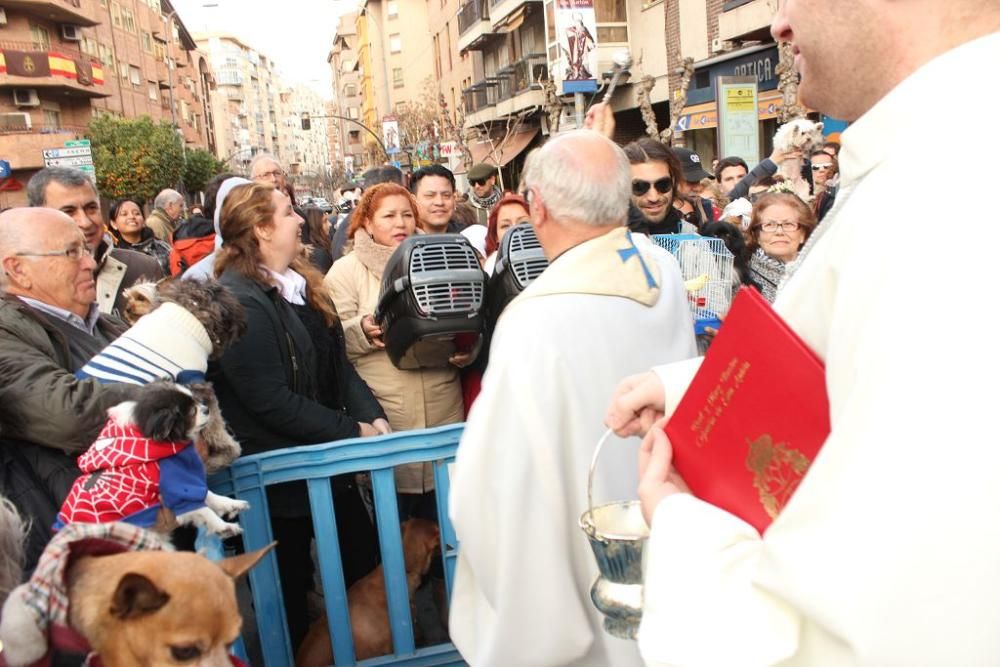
14,269
136,596
237,566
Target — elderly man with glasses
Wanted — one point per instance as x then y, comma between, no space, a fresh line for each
606,302
50,326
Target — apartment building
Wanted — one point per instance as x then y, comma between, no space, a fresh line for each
65,61
395,61
246,101
306,152
454,69
346,139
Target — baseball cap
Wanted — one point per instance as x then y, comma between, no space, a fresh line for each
691,165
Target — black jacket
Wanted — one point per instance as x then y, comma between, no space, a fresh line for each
268,381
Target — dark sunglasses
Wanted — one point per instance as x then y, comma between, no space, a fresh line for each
478,181
662,185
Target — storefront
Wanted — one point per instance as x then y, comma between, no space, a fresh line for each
699,120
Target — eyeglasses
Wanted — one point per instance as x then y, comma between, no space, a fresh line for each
277,173
690,216
662,185
822,167
76,253
772,227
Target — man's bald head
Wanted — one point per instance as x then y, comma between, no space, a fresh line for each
45,256
598,192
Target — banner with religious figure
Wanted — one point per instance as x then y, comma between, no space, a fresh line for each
576,32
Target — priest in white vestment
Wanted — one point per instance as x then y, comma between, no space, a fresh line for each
888,553
519,486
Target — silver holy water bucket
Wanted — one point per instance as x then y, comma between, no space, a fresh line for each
617,533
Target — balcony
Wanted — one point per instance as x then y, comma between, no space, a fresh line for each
23,148
524,75
746,19
76,12
505,11
515,87
64,64
474,27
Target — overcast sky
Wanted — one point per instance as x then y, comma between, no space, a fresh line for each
296,34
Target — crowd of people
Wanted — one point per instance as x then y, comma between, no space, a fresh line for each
885,554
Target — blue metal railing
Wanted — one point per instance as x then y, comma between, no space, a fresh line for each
248,478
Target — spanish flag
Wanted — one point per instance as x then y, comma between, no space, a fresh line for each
3,64
60,65
97,73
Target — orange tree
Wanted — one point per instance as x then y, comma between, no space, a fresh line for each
134,156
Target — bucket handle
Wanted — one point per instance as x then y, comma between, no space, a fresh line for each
590,479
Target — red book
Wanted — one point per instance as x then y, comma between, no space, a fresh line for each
754,417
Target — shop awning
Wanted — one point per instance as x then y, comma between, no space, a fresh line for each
501,152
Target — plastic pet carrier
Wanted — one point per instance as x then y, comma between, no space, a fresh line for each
520,260
432,289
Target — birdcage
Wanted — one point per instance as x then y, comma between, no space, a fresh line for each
707,270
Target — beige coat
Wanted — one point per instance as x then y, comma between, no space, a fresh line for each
411,399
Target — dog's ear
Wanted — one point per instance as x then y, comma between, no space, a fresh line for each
237,566
136,596
164,413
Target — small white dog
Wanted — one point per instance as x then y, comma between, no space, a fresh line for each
144,468
801,135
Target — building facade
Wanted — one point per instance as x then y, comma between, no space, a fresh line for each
65,62
395,66
347,144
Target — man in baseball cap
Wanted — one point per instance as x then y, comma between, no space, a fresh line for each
694,173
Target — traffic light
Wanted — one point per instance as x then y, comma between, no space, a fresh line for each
306,123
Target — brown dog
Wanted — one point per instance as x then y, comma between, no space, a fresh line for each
166,608
368,605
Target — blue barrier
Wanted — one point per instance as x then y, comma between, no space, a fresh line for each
247,479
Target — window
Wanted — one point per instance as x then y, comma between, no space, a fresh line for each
392,9
104,4
611,21
447,43
352,113
437,55
129,20
147,42
154,90
395,43
39,37
107,56
51,116
116,15
355,135
135,76
89,46
646,4
350,90
123,71
159,51
397,77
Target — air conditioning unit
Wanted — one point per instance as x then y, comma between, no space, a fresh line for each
3,16
718,45
71,33
25,97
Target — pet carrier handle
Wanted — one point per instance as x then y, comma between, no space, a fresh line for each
399,286
590,477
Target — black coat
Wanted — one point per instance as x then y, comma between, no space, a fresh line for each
268,381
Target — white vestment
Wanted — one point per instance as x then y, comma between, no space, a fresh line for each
889,551
525,569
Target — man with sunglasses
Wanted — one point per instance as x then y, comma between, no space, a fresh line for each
655,174
484,193
50,326
824,178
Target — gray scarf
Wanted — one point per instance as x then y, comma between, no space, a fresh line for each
486,202
766,272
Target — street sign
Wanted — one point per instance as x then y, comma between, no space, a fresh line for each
66,152
79,161
4,169
77,143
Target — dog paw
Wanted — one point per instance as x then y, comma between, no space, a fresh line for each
235,508
227,507
228,530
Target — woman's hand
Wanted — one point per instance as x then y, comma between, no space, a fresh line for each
462,359
657,477
382,426
779,156
636,404
372,331
367,430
